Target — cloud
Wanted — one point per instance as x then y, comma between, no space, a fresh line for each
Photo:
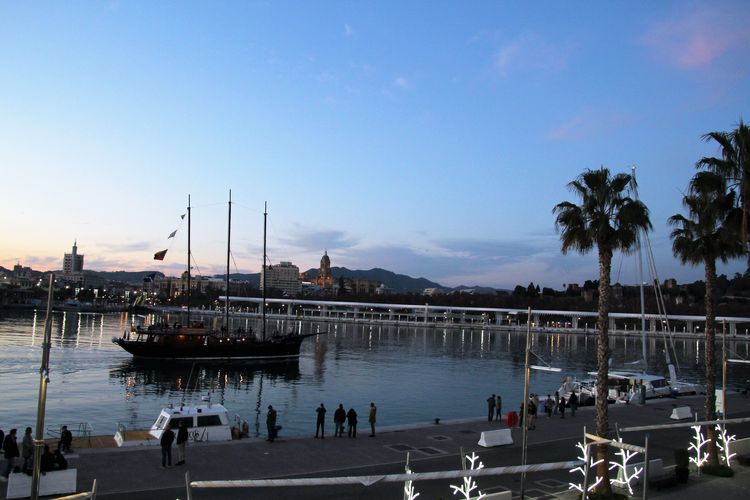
135,246
348,30
697,39
530,53
401,82
587,124
317,241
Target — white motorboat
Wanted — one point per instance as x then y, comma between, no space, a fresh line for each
209,422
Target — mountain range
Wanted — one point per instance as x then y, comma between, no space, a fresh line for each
399,283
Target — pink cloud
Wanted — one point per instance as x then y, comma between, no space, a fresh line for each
530,53
696,40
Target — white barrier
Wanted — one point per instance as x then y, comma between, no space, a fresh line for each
740,446
681,413
51,483
499,437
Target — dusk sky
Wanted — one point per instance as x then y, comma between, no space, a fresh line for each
428,138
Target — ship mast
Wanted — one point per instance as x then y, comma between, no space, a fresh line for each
188,265
639,262
229,239
263,271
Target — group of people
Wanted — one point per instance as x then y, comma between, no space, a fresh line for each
49,461
166,440
340,417
552,406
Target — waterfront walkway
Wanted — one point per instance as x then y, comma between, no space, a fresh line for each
136,473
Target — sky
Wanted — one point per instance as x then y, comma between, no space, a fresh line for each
428,138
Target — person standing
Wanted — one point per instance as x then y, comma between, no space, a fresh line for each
562,407
27,449
66,440
557,402
182,437
167,438
372,418
573,403
339,417
498,408
321,421
549,405
271,423
490,408
351,419
10,450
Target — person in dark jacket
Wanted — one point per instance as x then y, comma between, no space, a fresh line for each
372,418
10,450
60,462
562,407
351,419
339,417
321,421
271,423
167,438
182,437
48,460
66,440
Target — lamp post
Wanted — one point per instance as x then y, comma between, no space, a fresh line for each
525,412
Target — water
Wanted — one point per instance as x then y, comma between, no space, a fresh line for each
412,374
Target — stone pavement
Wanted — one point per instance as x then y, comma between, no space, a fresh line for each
136,473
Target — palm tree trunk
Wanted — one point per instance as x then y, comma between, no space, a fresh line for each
711,359
602,368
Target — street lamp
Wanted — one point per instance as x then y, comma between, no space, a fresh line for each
525,419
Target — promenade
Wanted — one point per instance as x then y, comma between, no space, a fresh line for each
137,473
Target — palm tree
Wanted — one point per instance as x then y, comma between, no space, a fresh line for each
610,220
734,166
709,233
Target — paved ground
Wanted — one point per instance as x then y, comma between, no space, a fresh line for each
136,473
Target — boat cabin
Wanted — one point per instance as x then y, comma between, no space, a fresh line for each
208,422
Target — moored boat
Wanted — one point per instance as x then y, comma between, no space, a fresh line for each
209,422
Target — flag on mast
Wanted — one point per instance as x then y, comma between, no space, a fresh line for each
171,235
160,255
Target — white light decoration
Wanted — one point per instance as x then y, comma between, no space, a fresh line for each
469,484
723,444
409,493
586,458
700,458
622,469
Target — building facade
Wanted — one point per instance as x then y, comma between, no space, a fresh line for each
283,276
73,262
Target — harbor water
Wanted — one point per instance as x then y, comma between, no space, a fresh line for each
412,374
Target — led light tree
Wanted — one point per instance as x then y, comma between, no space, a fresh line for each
701,456
722,443
624,478
469,484
586,459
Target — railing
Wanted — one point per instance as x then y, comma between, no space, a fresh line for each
84,430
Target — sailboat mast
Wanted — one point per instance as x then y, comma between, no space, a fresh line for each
229,239
263,269
188,265
639,262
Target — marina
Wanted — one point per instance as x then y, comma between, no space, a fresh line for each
444,373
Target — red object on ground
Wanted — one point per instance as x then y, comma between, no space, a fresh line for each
511,419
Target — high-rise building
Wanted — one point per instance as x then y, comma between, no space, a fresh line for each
283,276
72,262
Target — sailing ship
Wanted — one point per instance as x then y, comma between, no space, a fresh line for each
195,341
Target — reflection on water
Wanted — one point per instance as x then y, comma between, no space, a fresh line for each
413,374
